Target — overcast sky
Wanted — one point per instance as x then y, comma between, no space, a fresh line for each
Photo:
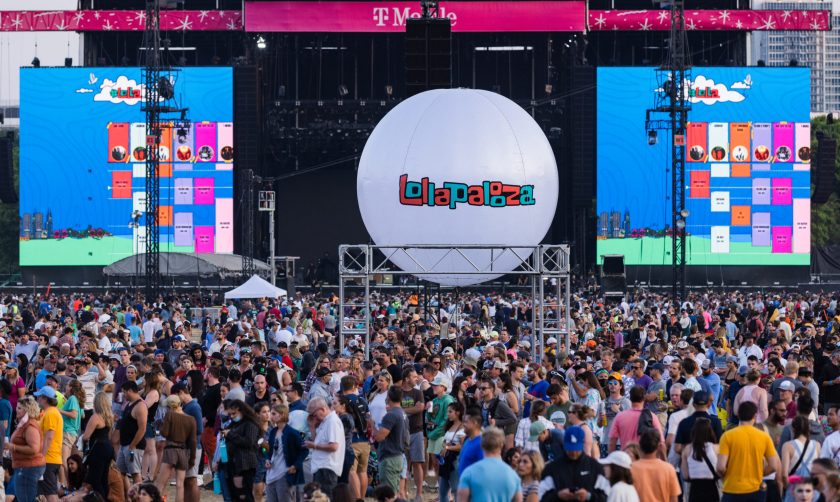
18,49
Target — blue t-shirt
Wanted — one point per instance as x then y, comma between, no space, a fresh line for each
713,381
490,480
6,414
537,390
41,378
194,410
471,453
135,333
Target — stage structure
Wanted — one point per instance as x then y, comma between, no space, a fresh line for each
673,77
546,265
161,112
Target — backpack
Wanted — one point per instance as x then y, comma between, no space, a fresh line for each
645,424
358,409
752,326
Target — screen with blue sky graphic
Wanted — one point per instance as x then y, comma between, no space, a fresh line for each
83,171
747,171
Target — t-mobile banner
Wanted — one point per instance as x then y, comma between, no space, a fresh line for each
365,17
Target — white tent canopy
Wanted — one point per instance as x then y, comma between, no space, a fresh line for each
255,287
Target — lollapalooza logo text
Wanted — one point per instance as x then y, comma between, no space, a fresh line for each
128,93
488,193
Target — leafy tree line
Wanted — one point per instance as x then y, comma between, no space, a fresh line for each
825,227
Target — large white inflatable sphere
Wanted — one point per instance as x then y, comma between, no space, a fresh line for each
457,167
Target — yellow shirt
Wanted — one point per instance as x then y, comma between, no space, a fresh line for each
746,448
51,420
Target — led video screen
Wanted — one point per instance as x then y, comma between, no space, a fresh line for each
747,180
83,172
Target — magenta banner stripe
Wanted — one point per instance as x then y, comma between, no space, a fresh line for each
391,16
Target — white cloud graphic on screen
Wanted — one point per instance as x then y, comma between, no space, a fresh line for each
83,90
124,90
725,95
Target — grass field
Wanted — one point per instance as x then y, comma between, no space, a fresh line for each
657,251
88,251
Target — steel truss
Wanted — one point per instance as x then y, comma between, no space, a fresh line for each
546,265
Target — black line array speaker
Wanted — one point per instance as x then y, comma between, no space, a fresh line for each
823,170
247,136
581,113
246,124
428,55
8,195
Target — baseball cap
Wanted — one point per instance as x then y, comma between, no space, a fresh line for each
440,380
558,417
179,338
701,397
658,366
46,391
682,344
550,340
573,439
535,430
743,370
618,458
787,385
555,374
731,359
525,344
321,372
706,364
448,351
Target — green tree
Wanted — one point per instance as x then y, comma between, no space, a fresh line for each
824,217
10,225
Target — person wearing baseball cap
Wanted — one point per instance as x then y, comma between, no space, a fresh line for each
436,414
617,470
321,385
574,475
701,401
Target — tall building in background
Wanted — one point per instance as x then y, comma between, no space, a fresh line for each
819,50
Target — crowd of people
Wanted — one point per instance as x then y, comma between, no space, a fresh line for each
726,396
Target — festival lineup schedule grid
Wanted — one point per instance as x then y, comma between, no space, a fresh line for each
196,192
750,182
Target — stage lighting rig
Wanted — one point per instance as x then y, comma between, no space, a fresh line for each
670,114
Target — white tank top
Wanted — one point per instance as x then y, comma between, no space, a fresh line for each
697,469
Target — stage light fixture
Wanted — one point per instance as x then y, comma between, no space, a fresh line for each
165,88
261,44
680,224
389,90
342,90
36,63
68,62
549,89
653,137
